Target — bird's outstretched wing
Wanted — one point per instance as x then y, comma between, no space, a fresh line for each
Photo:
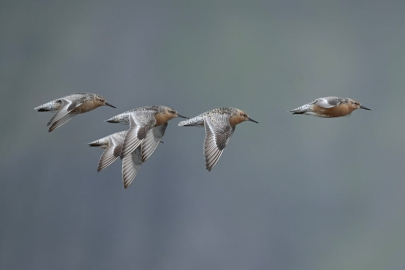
62,116
328,102
130,166
140,122
152,140
111,153
218,131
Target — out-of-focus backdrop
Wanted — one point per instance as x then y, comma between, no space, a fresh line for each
293,192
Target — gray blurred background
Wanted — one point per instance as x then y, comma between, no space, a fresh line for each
294,192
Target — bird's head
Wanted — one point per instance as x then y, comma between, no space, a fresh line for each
101,101
355,104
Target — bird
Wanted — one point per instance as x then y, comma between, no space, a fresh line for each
112,145
140,121
219,126
147,126
330,107
66,108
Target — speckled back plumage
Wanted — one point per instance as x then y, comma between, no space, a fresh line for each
199,119
123,118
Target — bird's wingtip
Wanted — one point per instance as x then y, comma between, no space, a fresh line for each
93,144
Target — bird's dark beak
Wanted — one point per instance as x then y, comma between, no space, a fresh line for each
364,108
108,104
181,116
250,119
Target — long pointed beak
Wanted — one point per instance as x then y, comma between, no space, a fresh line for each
181,116
108,104
364,108
250,119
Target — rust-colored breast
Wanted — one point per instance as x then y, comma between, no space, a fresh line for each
162,118
337,111
86,107
235,119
